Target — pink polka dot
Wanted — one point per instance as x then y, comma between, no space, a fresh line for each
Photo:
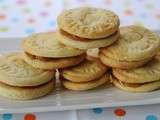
44,14
120,112
21,1
31,20
128,12
158,16
108,1
48,3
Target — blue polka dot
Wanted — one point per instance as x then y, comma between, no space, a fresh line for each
151,117
7,116
97,110
1,0
52,23
143,15
15,19
29,30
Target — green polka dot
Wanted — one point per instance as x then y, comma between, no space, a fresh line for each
26,10
127,3
4,29
4,7
149,6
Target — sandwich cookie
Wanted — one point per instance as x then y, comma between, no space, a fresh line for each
88,70
145,78
147,87
147,73
15,71
87,75
26,93
52,63
87,27
44,51
20,81
81,86
135,47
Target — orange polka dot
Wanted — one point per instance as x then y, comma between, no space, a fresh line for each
2,17
29,117
119,112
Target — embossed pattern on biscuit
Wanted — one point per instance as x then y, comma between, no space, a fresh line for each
86,71
87,85
87,67
135,43
87,21
14,71
147,87
147,73
47,45
14,66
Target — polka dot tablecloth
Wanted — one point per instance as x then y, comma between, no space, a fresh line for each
151,112
23,17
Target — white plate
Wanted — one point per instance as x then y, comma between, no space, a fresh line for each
61,100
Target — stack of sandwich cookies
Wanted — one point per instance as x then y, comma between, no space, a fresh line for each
86,27
135,47
18,80
131,52
87,75
142,79
44,51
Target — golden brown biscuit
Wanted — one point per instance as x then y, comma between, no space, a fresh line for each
86,85
25,93
121,64
86,71
147,73
147,87
15,71
47,45
88,22
52,63
87,44
135,44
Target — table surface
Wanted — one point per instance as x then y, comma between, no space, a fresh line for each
23,17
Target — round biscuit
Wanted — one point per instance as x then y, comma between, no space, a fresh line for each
88,22
25,93
121,64
86,85
103,42
48,45
15,71
56,63
86,71
148,87
135,43
145,74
